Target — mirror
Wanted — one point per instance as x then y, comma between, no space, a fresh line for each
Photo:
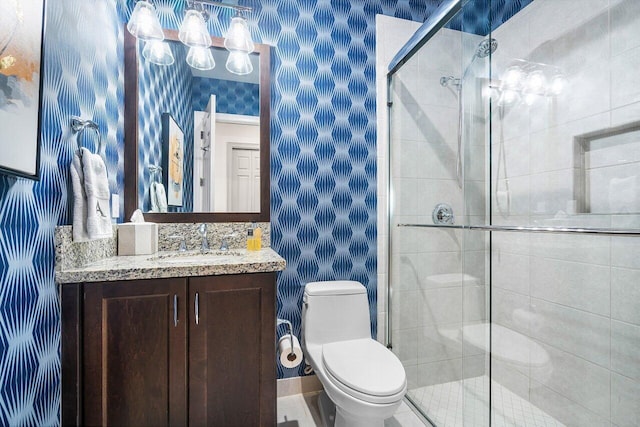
199,137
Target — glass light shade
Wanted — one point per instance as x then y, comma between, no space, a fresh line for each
193,31
144,23
530,98
512,78
238,37
200,58
536,82
557,85
239,63
158,52
509,97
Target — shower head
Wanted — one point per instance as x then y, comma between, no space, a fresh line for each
486,47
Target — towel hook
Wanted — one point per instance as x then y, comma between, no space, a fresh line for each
78,125
156,171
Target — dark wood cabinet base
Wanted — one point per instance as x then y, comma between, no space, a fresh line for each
197,351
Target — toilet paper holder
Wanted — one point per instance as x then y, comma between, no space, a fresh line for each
286,322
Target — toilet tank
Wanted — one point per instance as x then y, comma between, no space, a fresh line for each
335,311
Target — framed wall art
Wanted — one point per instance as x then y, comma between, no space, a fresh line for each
173,159
21,57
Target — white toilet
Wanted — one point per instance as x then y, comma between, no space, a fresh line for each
365,381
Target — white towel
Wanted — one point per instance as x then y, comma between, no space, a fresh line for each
79,199
96,185
161,197
158,197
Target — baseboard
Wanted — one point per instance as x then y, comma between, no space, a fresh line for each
298,385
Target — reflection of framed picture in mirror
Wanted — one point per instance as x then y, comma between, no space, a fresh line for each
173,159
21,27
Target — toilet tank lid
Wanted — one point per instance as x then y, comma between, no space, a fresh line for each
334,287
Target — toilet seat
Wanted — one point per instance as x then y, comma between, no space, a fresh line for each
365,369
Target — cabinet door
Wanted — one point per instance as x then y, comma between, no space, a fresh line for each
135,353
232,362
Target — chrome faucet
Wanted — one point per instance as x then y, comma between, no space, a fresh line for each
183,242
204,247
224,245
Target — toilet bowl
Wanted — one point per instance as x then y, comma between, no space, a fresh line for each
363,379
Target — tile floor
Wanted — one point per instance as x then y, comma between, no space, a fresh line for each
448,405
301,410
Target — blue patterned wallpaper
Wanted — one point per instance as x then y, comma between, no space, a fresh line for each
83,76
323,164
164,89
231,97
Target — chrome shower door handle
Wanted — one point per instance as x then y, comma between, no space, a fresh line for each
196,308
175,310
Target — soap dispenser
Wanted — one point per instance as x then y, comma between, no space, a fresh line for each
251,242
257,237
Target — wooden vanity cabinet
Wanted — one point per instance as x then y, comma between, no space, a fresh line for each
232,374
194,351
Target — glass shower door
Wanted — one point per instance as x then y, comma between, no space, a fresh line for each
438,300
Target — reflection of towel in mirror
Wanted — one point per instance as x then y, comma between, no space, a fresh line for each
153,200
79,199
161,197
158,197
96,185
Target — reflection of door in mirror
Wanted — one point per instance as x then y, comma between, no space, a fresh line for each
204,141
244,180
236,179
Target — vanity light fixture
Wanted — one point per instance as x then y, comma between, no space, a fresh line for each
144,25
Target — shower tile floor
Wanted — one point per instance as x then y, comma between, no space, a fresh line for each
444,403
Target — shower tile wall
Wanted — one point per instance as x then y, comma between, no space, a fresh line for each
391,34
575,296
432,297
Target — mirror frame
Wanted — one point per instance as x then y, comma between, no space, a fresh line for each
131,140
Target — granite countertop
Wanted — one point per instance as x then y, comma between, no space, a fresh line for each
174,264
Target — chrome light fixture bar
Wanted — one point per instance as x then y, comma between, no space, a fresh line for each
145,25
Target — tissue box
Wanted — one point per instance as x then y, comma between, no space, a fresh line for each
137,238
